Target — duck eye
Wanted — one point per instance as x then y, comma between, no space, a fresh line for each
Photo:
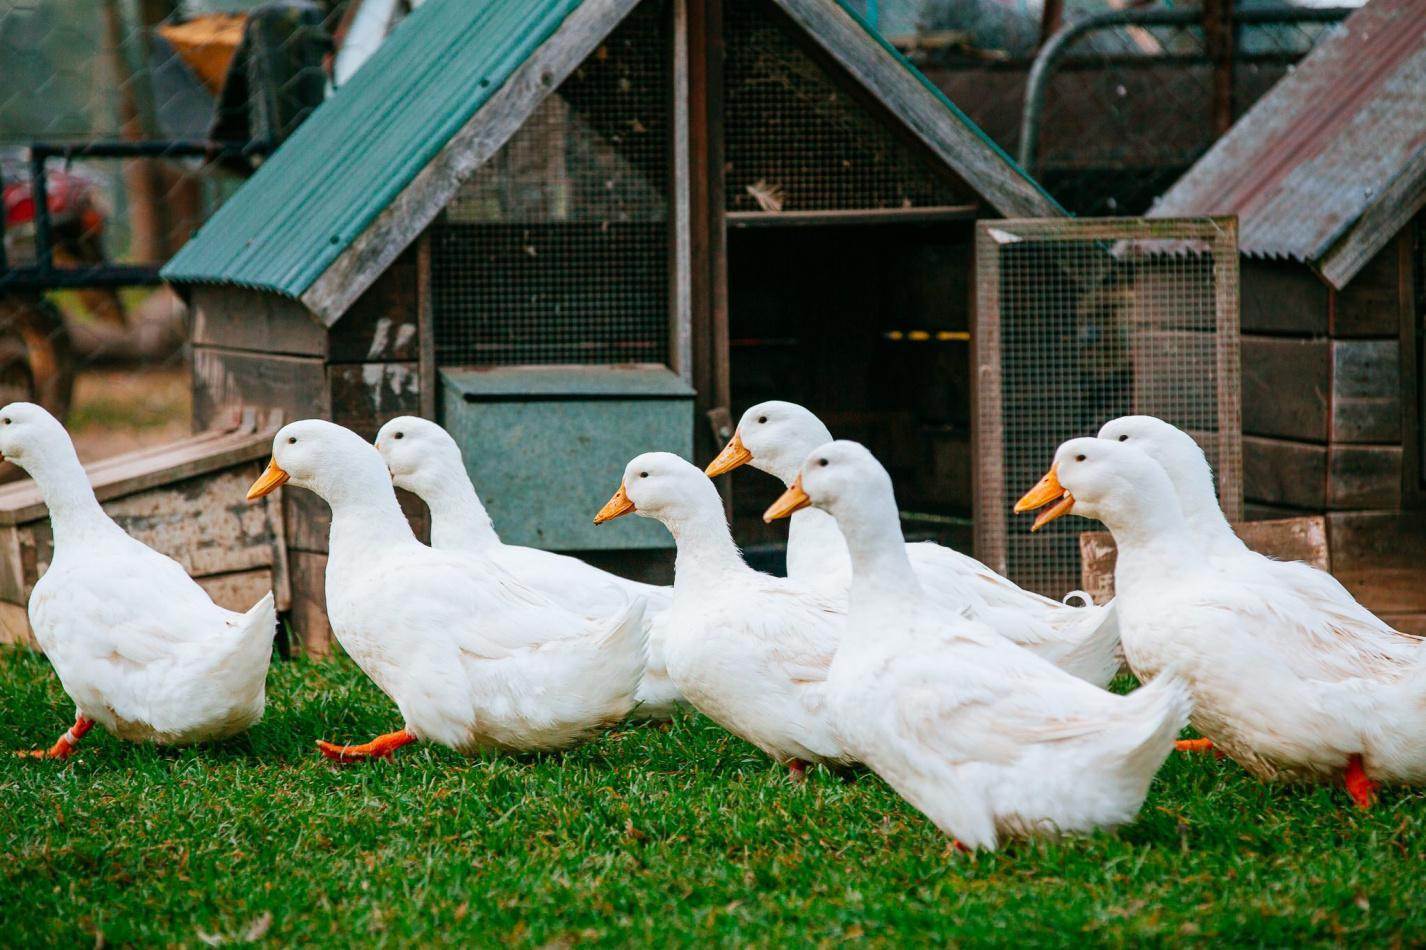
643,474
399,435
822,462
1079,458
1123,438
762,419
7,420
292,440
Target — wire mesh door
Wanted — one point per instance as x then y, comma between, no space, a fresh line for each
1082,321
557,249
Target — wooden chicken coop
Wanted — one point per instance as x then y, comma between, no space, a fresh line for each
1327,176
575,230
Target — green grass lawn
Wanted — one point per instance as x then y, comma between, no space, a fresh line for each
667,836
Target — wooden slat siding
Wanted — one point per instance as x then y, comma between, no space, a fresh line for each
121,475
410,212
1258,511
203,523
383,325
972,158
1282,297
366,395
240,590
1280,472
15,625
1288,539
308,614
308,521
1412,623
1380,556
239,318
1410,392
1363,476
1367,307
225,380
12,575
1366,391
1285,384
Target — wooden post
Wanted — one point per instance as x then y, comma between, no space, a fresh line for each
1052,17
1218,39
426,326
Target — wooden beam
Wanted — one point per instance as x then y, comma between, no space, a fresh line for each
1392,210
680,331
425,328
951,137
792,219
411,211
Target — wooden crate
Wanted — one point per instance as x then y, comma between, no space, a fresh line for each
185,499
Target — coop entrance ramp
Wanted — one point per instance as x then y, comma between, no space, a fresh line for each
1078,322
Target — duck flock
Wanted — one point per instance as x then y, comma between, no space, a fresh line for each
982,704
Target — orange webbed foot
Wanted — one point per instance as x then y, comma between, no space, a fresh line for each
1359,786
64,747
379,748
1194,745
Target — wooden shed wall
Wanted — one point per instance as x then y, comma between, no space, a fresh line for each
256,349
1328,391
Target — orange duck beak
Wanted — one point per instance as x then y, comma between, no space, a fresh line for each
1047,491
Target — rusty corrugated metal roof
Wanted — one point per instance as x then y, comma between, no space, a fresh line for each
1342,135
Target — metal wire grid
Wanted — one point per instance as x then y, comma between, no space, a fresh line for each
794,140
1082,321
557,249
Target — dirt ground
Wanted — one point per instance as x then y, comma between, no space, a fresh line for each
119,409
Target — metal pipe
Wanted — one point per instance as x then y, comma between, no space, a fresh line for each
75,278
1037,83
39,194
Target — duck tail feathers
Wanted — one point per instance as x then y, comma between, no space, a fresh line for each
1163,706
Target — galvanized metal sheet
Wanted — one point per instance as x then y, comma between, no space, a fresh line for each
1325,144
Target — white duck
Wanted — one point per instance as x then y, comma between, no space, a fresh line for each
472,658
425,460
776,437
137,644
748,650
1290,677
984,737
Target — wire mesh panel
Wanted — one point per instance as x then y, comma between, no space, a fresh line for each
557,249
1079,322
795,140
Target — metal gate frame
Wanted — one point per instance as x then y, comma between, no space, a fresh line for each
1217,235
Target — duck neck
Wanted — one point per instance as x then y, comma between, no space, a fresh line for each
881,569
74,511
458,519
1148,535
365,513
705,547
1203,513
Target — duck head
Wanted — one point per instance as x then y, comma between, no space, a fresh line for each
842,478
663,486
1176,452
323,457
1111,481
773,437
29,434
419,454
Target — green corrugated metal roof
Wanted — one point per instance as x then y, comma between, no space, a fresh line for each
356,152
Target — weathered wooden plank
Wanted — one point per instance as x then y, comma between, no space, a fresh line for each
238,591
1412,623
401,221
365,395
15,625
12,577
205,524
308,520
1364,476
1366,390
1285,387
961,147
1367,305
1288,539
240,318
308,616
227,380
1380,556
383,324
132,472
1279,472
426,328
1282,297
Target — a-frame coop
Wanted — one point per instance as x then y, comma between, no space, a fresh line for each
573,231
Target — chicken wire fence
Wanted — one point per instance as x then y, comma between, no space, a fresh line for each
557,249
129,122
1079,322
